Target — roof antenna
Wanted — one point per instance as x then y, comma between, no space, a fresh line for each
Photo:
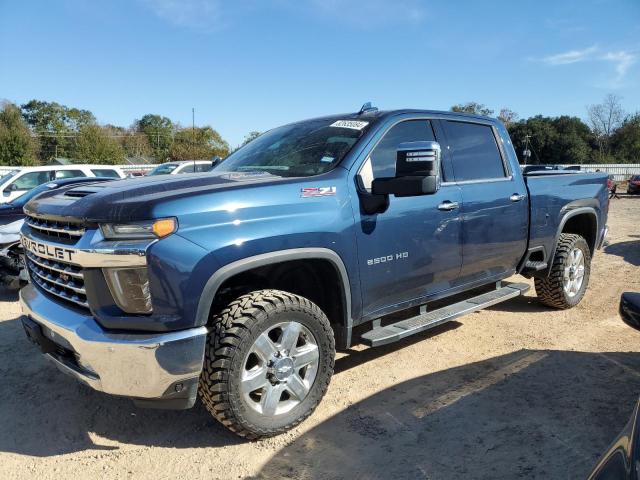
367,107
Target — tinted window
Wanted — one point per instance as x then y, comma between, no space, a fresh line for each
105,173
203,167
69,174
31,180
383,157
474,151
187,169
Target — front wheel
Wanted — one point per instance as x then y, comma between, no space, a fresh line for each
268,362
569,277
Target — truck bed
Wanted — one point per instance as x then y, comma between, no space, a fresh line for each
553,193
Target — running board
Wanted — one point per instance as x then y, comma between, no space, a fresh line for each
397,331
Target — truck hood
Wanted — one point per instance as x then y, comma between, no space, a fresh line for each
135,199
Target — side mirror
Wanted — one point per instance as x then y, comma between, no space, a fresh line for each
417,171
630,309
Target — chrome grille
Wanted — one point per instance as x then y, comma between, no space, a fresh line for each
61,279
54,229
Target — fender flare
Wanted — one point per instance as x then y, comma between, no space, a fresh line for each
570,214
222,274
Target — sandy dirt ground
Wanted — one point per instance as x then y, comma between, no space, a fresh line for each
516,391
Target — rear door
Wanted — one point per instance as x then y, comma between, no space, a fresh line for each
494,203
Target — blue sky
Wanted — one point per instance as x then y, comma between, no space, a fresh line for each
252,65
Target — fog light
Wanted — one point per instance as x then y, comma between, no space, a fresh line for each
129,288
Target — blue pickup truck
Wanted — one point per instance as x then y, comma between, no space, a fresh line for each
239,285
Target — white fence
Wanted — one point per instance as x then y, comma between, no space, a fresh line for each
125,168
620,171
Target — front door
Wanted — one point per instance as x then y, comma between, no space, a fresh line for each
412,249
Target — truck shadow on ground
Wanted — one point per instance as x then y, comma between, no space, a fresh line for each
530,413
629,251
533,414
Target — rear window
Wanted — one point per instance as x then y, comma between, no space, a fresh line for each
474,151
105,173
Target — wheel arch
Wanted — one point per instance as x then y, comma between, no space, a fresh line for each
247,266
582,221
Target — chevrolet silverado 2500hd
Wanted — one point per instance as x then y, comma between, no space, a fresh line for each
240,284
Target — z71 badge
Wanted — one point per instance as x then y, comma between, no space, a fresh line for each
307,192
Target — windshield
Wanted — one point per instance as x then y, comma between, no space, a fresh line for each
298,150
163,169
24,198
8,175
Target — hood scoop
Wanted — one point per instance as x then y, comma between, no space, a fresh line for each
81,192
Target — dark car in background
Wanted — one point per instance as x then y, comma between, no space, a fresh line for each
634,185
622,460
11,220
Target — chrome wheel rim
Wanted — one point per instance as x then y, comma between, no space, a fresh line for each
574,273
280,368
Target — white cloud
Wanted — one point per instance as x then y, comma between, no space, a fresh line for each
202,15
621,60
572,56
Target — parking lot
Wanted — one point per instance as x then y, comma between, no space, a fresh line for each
516,391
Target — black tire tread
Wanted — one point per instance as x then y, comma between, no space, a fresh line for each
230,328
550,290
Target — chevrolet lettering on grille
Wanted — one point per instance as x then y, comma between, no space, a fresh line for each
50,251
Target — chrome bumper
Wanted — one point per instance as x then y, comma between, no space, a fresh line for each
132,365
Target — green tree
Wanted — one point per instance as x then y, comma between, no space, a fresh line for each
561,140
159,131
199,143
94,145
56,126
625,141
17,145
473,107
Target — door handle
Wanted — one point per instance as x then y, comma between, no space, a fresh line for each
516,197
447,205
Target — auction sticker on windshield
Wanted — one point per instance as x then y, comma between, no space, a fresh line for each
354,124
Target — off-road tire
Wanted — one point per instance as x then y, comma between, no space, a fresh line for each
550,290
233,332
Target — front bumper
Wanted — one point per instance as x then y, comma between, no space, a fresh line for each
163,367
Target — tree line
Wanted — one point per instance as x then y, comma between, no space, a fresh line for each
610,135
38,131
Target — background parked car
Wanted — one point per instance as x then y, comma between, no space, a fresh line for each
11,220
634,185
623,457
19,182
187,166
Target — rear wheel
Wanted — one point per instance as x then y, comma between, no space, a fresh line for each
569,277
268,363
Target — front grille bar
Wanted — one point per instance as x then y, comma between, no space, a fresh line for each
55,228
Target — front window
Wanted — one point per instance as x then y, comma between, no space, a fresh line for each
31,180
298,150
164,169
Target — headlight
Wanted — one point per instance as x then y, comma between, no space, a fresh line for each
13,227
139,230
130,288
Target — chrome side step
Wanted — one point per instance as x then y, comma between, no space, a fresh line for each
397,331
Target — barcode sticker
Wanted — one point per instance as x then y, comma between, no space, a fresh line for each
354,124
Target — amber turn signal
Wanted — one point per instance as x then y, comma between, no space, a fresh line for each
164,227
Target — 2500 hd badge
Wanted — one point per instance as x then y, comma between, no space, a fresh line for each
57,253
